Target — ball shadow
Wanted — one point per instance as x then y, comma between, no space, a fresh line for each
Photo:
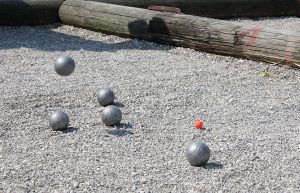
124,126
118,104
121,130
70,130
212,166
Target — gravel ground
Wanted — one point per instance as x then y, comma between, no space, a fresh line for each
251,111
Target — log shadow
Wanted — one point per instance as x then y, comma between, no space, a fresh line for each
48,38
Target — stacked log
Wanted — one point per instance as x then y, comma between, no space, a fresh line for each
205,34
221,8
29,12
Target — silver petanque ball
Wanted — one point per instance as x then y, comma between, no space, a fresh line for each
64,65
105,97
111,115
59,121
198,153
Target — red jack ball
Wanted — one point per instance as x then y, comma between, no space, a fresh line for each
199,124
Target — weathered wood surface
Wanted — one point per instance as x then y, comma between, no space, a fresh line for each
209,35
29,12
222,8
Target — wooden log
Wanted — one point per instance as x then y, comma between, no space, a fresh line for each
209,35
29,12
221,8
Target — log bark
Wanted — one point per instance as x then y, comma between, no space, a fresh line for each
29,12
205,34
221,8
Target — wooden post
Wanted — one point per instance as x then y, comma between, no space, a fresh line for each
29,12
209,35
221,8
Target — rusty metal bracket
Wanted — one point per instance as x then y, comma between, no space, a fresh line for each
164,9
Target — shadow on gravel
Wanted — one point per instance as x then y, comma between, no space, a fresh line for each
124,126
212,166
121,130
44,38
118,104
70,130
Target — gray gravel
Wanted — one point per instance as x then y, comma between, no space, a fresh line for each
251,111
